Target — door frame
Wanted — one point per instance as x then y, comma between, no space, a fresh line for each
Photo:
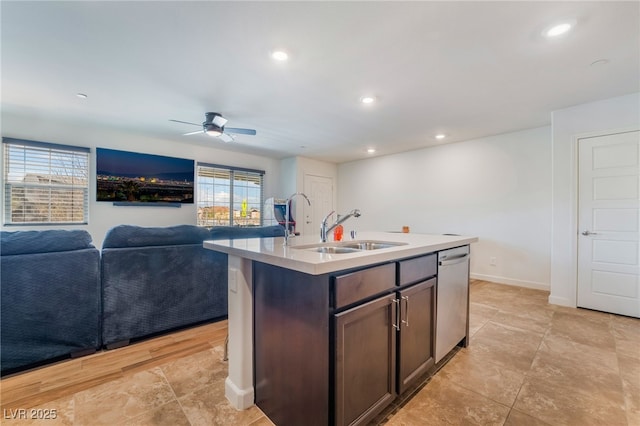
573,225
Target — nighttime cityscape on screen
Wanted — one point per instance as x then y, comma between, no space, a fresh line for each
135,177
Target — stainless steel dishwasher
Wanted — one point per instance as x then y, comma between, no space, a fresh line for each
452,295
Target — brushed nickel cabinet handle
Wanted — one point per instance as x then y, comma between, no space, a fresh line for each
406,311
394,313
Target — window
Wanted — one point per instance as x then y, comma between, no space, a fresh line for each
229,196
45,183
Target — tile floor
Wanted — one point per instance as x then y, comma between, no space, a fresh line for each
529,363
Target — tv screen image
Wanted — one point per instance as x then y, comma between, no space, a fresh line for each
123,176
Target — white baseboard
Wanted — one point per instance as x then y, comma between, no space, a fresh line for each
240,399
511,281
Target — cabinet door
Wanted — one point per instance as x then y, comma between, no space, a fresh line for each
416,336
365,363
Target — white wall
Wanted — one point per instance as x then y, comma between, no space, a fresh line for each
610,115
497,188
103,215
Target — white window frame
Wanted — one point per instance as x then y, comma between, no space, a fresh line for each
57,176
209,195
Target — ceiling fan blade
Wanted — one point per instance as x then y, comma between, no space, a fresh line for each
186,122
240,131
226,137
193,133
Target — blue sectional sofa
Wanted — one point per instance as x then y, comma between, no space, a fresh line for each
50,297
62,297
159,279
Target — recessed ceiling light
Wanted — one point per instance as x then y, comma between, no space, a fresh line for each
81,95
280,55
371,150
367,99
558,29
441,136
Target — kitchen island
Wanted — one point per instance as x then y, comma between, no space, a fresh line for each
328,321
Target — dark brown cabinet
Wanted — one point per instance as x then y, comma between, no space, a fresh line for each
416,335
365,361
383,346
336,349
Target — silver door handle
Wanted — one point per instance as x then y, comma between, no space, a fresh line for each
406,311
395,310
453,261
587,233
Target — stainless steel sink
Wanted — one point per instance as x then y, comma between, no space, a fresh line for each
371,245
348,246
335,250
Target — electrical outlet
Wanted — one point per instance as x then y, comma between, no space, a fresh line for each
492,261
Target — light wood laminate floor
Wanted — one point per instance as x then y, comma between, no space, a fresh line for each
529,363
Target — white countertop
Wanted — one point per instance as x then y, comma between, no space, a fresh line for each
272,251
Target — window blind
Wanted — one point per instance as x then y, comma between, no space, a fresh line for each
45,183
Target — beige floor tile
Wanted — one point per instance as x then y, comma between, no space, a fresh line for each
262,421
629,370
587,329
170,414
563,371
479,315
632,402
122,400
569,405
490,380
194,372
517,418
628,348
532,319
589,357
442,402
495,297
626,327
510,347
594,316
626,332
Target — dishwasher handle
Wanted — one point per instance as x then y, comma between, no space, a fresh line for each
453,261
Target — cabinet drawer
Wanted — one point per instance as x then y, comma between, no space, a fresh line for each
350,288
417,269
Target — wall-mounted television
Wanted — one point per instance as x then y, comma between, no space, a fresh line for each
133,177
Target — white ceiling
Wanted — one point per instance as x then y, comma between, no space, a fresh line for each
467,69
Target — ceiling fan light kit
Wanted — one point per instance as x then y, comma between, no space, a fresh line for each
213,125
212,130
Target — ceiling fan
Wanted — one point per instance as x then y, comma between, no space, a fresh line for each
213,125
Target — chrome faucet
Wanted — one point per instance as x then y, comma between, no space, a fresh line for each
323,228
288,233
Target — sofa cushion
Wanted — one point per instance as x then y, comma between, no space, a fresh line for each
138,236
45,241
235,232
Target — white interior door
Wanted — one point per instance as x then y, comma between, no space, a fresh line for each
609,223
319,189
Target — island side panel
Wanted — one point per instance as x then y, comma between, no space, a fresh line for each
291,345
